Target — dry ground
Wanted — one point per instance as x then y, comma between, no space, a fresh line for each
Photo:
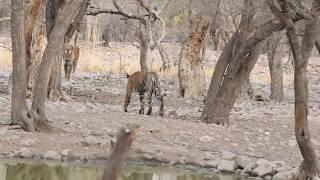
257,130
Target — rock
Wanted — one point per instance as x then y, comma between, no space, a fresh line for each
227,166
292,143
263,162
227,155
268,177
249,168
211,164
3,130
315,178
90,140
173,114
254,178
65,152
147,156
52,155
286,175
262,171
24,152
206,138
282,169
243,162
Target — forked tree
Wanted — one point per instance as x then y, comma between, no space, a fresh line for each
34,118
147,31
236,62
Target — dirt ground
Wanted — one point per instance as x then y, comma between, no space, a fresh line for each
257,129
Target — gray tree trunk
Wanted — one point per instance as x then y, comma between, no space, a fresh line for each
275,66
19,107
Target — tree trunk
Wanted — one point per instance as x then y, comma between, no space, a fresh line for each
230,88
246,91
275,65
67,15
19,107
37,46
190,70
120,152
301,52
35,42
55,91
310,165
145,44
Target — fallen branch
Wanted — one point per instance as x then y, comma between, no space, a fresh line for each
120,152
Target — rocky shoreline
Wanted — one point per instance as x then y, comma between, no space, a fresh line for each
260,169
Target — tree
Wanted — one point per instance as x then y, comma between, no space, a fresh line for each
301,53
234,66
275,66
190,70
35,118
120,152
147,22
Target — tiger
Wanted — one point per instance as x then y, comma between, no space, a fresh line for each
71,56
144,82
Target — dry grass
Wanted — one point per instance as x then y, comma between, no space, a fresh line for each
5,59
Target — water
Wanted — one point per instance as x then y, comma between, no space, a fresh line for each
43,170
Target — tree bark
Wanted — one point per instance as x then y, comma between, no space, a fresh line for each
55,91
19,107
190,70
34,40
145,44
120,152
275,66
301,52
36,117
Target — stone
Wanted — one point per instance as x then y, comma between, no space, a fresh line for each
3,130
292,143
227,155
52,155
286,175
211,164
268,177
249,168
24,152
315,178
173,114
227,166
263,162
262,171
65,152
206,138
147,156
243,162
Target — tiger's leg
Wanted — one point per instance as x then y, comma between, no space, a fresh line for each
141,96
127,100
157,93
74,67
149,101
65,64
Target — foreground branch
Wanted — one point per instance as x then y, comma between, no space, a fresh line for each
120,152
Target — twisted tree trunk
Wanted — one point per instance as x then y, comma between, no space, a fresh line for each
310,166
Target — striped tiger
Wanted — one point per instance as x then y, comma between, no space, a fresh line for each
144,82
71,56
